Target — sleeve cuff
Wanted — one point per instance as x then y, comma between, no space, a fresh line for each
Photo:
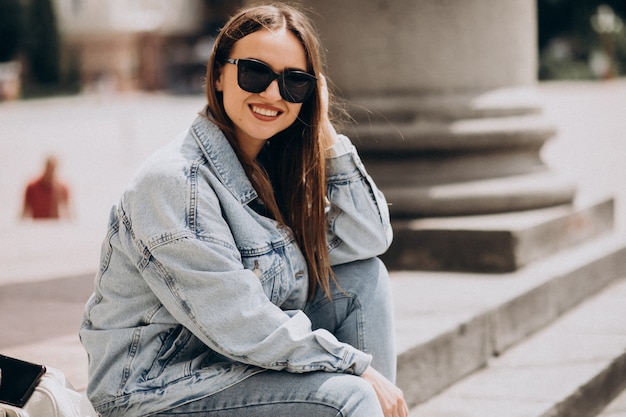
360,362
342,147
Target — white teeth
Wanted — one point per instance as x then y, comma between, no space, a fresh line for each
265,112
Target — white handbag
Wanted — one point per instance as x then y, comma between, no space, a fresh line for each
54,396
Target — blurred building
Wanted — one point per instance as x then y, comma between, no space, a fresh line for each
123,45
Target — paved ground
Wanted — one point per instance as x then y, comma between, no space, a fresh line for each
590,145
46,269
100,141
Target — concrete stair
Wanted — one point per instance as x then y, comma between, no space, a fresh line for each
572,368
617,407
546,340
498,242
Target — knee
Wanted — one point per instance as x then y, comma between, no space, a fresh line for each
367,268
356,396
367,278
363,399
372,266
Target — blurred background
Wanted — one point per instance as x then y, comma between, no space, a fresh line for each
71,46
52,47
581,39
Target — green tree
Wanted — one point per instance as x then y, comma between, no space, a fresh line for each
570,21
43,51
10,29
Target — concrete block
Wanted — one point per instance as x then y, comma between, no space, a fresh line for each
617,407
572,368
428,368
496,243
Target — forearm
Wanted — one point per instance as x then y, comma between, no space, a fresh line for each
358,216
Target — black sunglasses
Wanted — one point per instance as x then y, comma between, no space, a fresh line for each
255,76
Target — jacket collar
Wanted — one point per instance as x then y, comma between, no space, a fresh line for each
222,159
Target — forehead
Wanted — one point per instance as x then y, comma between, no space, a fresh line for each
279,48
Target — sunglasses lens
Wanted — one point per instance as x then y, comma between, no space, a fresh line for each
254,77
297,86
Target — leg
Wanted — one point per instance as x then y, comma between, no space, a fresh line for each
361,312
281,394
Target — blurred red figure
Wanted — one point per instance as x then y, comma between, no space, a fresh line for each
47,197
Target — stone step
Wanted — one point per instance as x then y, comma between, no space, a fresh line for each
451,324
414,136
616,408
572,368
496,243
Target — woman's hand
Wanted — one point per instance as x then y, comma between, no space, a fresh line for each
391,397
328,134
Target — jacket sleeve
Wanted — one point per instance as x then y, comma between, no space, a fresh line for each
357,214
200,279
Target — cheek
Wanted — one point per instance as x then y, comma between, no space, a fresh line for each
233,103
231,93
294,112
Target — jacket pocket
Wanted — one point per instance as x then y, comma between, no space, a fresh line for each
269,267
175,342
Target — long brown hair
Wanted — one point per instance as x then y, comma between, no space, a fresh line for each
295,196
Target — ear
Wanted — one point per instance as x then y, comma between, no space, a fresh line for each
218,83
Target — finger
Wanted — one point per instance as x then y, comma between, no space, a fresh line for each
404,410
322,80
323,86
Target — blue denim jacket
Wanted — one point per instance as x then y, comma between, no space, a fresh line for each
197,291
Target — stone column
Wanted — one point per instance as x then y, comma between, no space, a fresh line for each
448,122
443,93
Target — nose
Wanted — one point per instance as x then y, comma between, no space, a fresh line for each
272,92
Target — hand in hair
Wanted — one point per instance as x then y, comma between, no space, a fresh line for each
328,134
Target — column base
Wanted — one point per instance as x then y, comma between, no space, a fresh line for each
494,195
457,155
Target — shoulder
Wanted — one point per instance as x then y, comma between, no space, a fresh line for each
168,182
34,183
161,178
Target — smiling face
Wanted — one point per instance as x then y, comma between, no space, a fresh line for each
258,117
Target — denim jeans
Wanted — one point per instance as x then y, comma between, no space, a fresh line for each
360,314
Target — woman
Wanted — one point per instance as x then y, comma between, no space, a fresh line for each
238,276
